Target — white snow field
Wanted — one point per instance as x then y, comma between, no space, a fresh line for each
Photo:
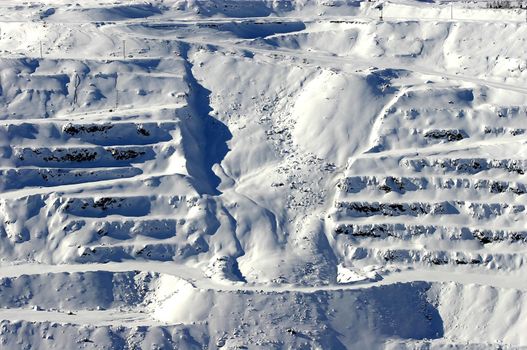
186,174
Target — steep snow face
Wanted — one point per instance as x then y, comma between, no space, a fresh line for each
261,174
335,109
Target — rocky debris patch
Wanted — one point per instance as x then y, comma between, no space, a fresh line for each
403,184
83,155
449,135
401,231
405,231
468,165
43,156
438,257
503,131
127,206
364,209
122,133
105,203
490,236
20,178
73,130
475,210
494,186
124,154
355,184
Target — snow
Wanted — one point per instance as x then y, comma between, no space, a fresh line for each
262,174
177,301
322,113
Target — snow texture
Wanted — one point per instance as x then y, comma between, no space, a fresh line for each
264,174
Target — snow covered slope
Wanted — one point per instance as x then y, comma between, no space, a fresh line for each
262,174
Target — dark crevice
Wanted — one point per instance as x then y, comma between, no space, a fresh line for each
209,134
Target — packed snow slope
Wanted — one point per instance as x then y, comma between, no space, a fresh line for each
262,174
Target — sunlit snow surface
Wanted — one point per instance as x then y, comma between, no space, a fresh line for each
262,175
